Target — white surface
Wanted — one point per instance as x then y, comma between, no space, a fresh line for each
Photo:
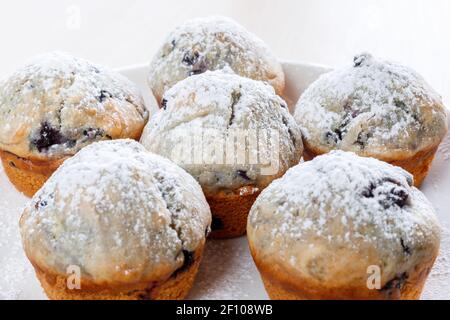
227,271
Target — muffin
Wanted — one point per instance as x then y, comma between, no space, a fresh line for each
133,223
375,109
233,134
212,43
56,105
343,227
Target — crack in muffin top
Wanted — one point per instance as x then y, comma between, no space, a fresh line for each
215,106
57,104
375,108
340,205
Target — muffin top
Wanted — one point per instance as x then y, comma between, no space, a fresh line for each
57,104
329,219
210,44
227,131
118,212
375,108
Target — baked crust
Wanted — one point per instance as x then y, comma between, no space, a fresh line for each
28,176
418,165
281,284
176,287
212,43
58,104
334,227
141,219
230,212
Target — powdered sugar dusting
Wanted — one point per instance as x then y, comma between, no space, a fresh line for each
57,104
212,43
116,200
220,276
373,107
346,199
221,104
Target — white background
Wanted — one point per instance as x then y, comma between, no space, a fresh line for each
123,32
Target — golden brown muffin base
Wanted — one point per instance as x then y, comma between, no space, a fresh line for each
28,176
281,285
177,287
230,212
418,165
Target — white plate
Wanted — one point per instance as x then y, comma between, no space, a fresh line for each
227,271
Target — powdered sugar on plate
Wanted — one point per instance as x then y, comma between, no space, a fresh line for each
228,273
17,279
440,275
444,148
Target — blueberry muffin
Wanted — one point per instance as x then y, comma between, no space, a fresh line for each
233,134
132,223
376,109
56,105
343,227
211,44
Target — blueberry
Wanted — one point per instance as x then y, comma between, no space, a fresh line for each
357,61
190,58
243,175
369,191
40,204
362,139
197,62
331,137
291,134
406,249
92,133
400,104
104,94
47,136
189,259
235,97
339,133
396,195
164,104
196,72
